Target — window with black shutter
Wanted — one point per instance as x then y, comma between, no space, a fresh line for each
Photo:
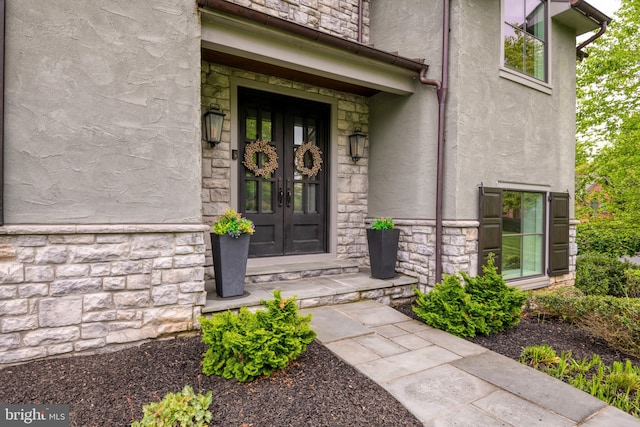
559,234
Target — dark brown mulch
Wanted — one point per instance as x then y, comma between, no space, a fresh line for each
534,330
318,389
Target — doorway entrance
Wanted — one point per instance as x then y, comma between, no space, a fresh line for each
283,172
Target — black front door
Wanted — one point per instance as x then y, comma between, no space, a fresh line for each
283,172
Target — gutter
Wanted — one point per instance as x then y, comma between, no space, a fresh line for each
442,87
595,15
416,65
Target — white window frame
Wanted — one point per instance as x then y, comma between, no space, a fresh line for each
522,78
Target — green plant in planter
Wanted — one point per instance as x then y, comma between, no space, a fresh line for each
382,224
233,224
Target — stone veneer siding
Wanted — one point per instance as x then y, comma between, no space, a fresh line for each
352,181
416,251
90,289
336,17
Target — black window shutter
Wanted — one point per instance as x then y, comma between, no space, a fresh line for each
559,234
490,230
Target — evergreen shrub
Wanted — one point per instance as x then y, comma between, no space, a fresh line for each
483,306
601,274
248,345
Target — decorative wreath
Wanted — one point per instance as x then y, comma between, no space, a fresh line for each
251,162
316,154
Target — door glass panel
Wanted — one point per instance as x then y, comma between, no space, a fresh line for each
298,140
298,131
267,131
251,124
311,198
311,132
267,196
251,202
297,197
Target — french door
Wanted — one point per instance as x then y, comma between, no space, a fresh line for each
283,172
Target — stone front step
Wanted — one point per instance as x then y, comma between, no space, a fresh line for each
318,290
282,272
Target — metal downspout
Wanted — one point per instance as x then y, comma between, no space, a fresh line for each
441,90
579,52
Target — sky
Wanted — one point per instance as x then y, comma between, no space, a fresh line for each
608,7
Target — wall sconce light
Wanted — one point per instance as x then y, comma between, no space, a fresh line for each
212,122
356,144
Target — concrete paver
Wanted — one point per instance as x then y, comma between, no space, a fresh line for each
532,385
432,392
448,381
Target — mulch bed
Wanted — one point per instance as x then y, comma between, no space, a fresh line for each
110,389
318,389
534,330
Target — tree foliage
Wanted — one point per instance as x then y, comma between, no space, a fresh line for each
608,120
608,80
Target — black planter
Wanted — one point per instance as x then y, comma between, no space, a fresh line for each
230,263
383,252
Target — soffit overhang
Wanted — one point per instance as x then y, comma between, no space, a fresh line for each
577,14
232,40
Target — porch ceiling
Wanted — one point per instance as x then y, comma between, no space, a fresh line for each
230,40
285,73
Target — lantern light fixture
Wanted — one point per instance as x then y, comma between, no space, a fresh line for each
356,144
212,122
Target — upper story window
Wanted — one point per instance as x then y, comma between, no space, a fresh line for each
525,37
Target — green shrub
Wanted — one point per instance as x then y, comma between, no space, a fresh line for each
615,320
608,237
183,409
249,345
632,277
485,305
617,385
448,307
601,274
501,303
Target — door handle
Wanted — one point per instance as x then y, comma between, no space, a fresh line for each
288,194
280,192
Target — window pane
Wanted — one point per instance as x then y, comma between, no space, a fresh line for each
511,212
514,13
267,202
532,213
251,203
511,257
531,255
513,48
524,28
535,18
535,58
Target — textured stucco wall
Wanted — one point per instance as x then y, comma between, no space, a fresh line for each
506,131
102,112
496,130
403,130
